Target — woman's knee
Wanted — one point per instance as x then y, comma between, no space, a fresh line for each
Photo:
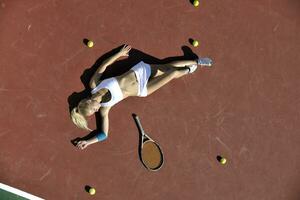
160,69
179,73
165,68
174,73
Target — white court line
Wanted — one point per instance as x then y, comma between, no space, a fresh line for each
19,192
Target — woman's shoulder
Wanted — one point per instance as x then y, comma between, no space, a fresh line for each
104,110
99,83
95,83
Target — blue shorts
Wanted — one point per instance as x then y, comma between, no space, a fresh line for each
142,72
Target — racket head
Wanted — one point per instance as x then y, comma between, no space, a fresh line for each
150,152
151,155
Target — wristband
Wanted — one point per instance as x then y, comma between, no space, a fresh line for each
101,136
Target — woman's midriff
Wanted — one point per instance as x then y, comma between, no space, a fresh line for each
128,83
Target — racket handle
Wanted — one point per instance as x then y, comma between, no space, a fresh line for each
137,120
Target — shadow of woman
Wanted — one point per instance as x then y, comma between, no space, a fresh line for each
117,68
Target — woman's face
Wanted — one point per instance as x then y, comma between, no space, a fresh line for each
92,107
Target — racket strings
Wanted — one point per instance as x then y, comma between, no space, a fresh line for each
151,155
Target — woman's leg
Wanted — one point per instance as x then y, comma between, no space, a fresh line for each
183,63
157,82
159,69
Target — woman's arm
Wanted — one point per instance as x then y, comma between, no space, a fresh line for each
104,128
96,77
108,62
123,52
102,135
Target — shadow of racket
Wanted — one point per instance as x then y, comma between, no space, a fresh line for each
149,151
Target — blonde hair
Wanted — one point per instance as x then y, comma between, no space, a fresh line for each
77,116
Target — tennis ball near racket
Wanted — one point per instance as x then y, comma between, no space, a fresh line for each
223,161
196,3
90,43
195,43
92,191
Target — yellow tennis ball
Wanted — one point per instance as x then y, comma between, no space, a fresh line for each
196,3
90,43
195,43
92,191
223,161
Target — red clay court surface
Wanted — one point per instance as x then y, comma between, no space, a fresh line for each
246,107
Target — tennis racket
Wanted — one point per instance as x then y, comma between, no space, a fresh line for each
150,152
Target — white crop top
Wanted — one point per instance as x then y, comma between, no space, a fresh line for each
113,86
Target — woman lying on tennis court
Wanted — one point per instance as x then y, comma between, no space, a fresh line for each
141,80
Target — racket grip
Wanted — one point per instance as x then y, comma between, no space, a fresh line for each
137,120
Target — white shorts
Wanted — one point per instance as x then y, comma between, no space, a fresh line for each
142,71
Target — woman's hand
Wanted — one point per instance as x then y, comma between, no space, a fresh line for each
82,144
125,50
